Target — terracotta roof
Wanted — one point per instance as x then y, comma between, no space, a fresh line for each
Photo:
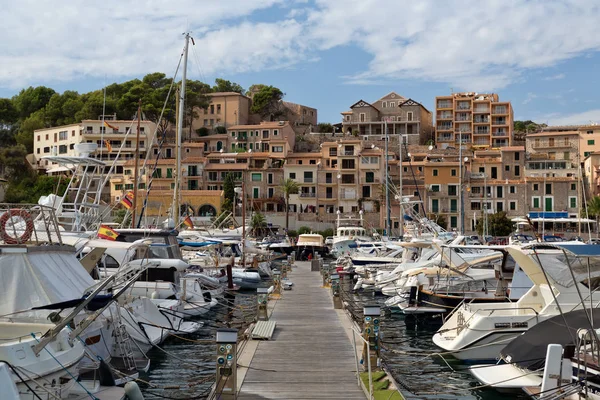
371,152
194,160
564,133
513,148
226,94
265,125
303,155
190,144
150,163
226,166
56,127
213,136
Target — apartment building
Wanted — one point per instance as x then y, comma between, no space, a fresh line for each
402,116
121,135
277,137
554,154
302,118
591,168
479,120
225,109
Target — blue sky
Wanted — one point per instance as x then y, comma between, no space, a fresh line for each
541,55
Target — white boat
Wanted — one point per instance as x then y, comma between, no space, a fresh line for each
477,332
310,244
348,231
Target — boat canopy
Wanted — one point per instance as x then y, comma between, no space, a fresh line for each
310,240
579,260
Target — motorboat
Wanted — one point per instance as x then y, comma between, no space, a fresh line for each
563,276
348,231
309,245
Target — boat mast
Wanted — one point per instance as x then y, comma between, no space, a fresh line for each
388,221
136,167
401,220
180,133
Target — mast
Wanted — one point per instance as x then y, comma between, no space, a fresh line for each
401,220
179,134
388,221
243,225
460,188
136,166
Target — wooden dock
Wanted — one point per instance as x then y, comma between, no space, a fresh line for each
310,355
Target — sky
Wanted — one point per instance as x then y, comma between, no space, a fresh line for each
542,55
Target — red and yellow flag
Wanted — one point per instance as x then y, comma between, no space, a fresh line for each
108,233
108,146
110,126
188,222
127,200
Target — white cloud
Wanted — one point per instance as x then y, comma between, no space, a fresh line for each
554,77
467,44
530,97
581,118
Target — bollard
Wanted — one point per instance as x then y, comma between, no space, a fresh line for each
325,278
262,299
293,255
335,291
284,270
371,334
277,281
226,381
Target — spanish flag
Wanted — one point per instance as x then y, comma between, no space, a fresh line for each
108,146
110,126
106,232
188,222
127,200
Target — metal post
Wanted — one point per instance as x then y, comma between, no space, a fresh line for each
460,193
401,220
136,170
180,131
226,380
262,298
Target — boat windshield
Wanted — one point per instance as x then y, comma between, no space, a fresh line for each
556,265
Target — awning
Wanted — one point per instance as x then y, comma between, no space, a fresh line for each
581,250
57,169
519,219
564,220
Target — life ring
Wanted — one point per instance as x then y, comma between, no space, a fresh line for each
16,212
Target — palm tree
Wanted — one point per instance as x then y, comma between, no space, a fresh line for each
258,224
288,187
593,208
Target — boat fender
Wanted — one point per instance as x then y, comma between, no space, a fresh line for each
16,212
155,295
133,392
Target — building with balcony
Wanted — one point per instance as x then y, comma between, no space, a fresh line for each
401,115
276,137
120,135
479,120
224,109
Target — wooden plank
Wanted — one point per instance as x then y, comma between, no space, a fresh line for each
309,356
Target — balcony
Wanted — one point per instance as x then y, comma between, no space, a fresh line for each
348,153
307,195
477,175
463,106
444,138
481,132
463,119
496,121
444,115
499,110
481,143
481,110
481,120
444,127
499,133
444,104
365,181
348,196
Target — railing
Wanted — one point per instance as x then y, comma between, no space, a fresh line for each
463,118
444,127
499,122
29,223
481,109
481,120
309,180
463,107
445,116
499,110
348,153
482,132
369,180
496,133
307,194
348,196
443,138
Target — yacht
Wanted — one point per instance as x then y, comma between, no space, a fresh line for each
348,232
563,276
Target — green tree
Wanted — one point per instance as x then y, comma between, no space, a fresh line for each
288,187
219,130
229,192
196,97
266,102
593,208
25,135
120,216
304,230
222,85
31,100
8,112
438,219
498,224
258,225
202,131
325,127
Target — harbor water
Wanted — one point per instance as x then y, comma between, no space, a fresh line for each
184,368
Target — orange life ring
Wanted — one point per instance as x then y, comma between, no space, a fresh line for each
16,212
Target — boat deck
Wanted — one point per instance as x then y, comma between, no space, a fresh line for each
310,355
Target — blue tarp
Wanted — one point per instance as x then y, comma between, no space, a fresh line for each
581,250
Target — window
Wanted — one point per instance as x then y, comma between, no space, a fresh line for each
299,162
435,205
452,190
348,164
573,186
453,172
453,205
119,187
536,187
265,134
572,202
292,175
63,135
212,122
435,188
170,172
392,104
435,172
275,132
271,193
566,155
535,202
277,149
499,206
255,193
499,192
384,104
548,188
218,109
362,117
512,206
586,153
517,170
308,177
157,173
332,152
517,156
591,142
370,177
127,172
453,221
62,149
475,206
46,136
512,190
409,116
38,150
256,177
366,191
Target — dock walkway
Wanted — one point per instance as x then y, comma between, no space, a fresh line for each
310,356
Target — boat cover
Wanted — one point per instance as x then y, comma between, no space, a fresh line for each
528,351
39,277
